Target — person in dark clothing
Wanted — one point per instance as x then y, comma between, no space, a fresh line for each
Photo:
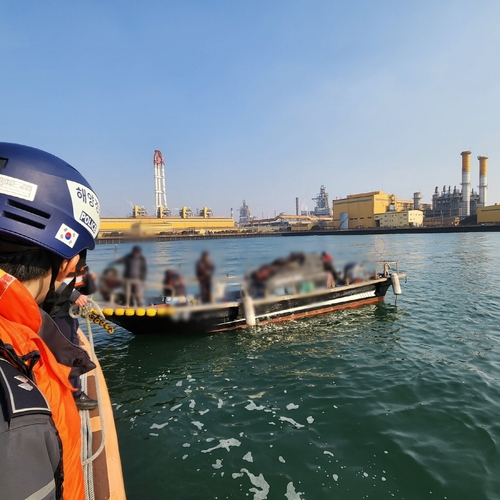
74,290
173,284
110,286
204,271
134,275
354,273
328,266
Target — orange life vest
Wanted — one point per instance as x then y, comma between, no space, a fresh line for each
78,274
20,321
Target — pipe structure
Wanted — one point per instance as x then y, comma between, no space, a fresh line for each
435,198
465,183
483,181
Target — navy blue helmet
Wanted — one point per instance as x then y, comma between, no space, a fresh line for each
45,202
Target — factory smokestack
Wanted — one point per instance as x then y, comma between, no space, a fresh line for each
296,206
465,183
483,182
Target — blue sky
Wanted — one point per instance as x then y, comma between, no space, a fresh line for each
262,101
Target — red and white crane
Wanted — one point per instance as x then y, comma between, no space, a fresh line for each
161,206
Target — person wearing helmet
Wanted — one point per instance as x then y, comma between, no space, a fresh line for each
49,217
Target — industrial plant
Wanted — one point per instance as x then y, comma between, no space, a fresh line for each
375,209
450,207
140,224
462,203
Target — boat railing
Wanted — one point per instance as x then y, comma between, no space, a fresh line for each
391,267
124,295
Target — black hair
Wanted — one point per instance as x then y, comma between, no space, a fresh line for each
28,266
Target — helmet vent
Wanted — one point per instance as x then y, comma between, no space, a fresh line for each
27,208
23,220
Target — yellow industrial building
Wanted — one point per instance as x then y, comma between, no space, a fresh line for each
150,226
488,215
359,210
408,218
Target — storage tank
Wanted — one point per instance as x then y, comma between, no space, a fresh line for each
416,200
344,220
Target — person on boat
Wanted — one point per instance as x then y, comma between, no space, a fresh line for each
328,266
257,281
354,273
48,215
134,275
174,284
74,290
204,271
110,286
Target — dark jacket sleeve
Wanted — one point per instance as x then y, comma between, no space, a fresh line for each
65,352
89,286
74,295
29,442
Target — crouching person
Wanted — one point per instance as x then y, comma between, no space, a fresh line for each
42,232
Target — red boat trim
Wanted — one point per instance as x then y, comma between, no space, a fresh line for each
307,314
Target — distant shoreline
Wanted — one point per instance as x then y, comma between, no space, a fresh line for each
329,232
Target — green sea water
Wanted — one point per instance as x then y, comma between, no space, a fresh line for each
395,400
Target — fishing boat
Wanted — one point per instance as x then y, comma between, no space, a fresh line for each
299,292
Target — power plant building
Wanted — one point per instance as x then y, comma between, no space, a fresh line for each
359,210
408,218
488,215
461,203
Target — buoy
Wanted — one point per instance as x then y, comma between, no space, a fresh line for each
140,312
249,310
151,312
119,312
396,287
129,312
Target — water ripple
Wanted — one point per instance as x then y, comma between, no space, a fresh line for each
395,400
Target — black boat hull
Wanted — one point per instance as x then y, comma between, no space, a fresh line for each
187,319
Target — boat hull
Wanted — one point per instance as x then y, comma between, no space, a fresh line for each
181,320
106,481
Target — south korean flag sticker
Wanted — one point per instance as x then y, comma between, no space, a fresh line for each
67,235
